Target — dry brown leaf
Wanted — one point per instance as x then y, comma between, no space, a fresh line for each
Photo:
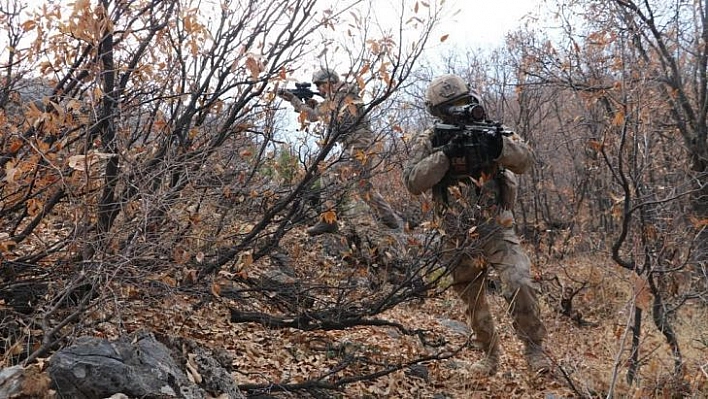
216,289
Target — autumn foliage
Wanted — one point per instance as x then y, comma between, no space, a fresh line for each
151,179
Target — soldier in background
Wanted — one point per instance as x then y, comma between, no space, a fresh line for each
341,111
474,212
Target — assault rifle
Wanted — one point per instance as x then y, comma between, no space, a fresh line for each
475,133
303,91
471,133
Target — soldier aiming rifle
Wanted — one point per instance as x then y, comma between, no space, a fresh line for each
467,127
470,165
341,110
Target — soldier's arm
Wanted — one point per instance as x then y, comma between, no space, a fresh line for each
311,113
342,106
516,155
426,167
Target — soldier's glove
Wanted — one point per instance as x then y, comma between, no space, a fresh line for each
455,148
311,102
491,145
285,94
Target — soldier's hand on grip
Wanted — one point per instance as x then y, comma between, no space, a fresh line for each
455,148
491,145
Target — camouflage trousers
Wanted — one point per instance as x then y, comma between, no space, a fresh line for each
502,252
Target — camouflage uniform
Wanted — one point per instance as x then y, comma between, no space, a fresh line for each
474,213
341,112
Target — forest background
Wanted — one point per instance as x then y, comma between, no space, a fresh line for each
151,180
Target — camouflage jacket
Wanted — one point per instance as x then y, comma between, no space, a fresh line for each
342,114
467,203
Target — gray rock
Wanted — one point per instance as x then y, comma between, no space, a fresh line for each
10,381
95,367
137,366
419,371
456,326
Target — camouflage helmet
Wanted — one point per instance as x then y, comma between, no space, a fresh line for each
325,75
447,89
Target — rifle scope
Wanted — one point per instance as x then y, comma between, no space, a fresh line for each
468,112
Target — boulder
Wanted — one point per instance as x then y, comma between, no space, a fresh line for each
136,366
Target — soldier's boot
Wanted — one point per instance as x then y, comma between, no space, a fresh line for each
382,209
322,227
536,360
389,220
486,366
